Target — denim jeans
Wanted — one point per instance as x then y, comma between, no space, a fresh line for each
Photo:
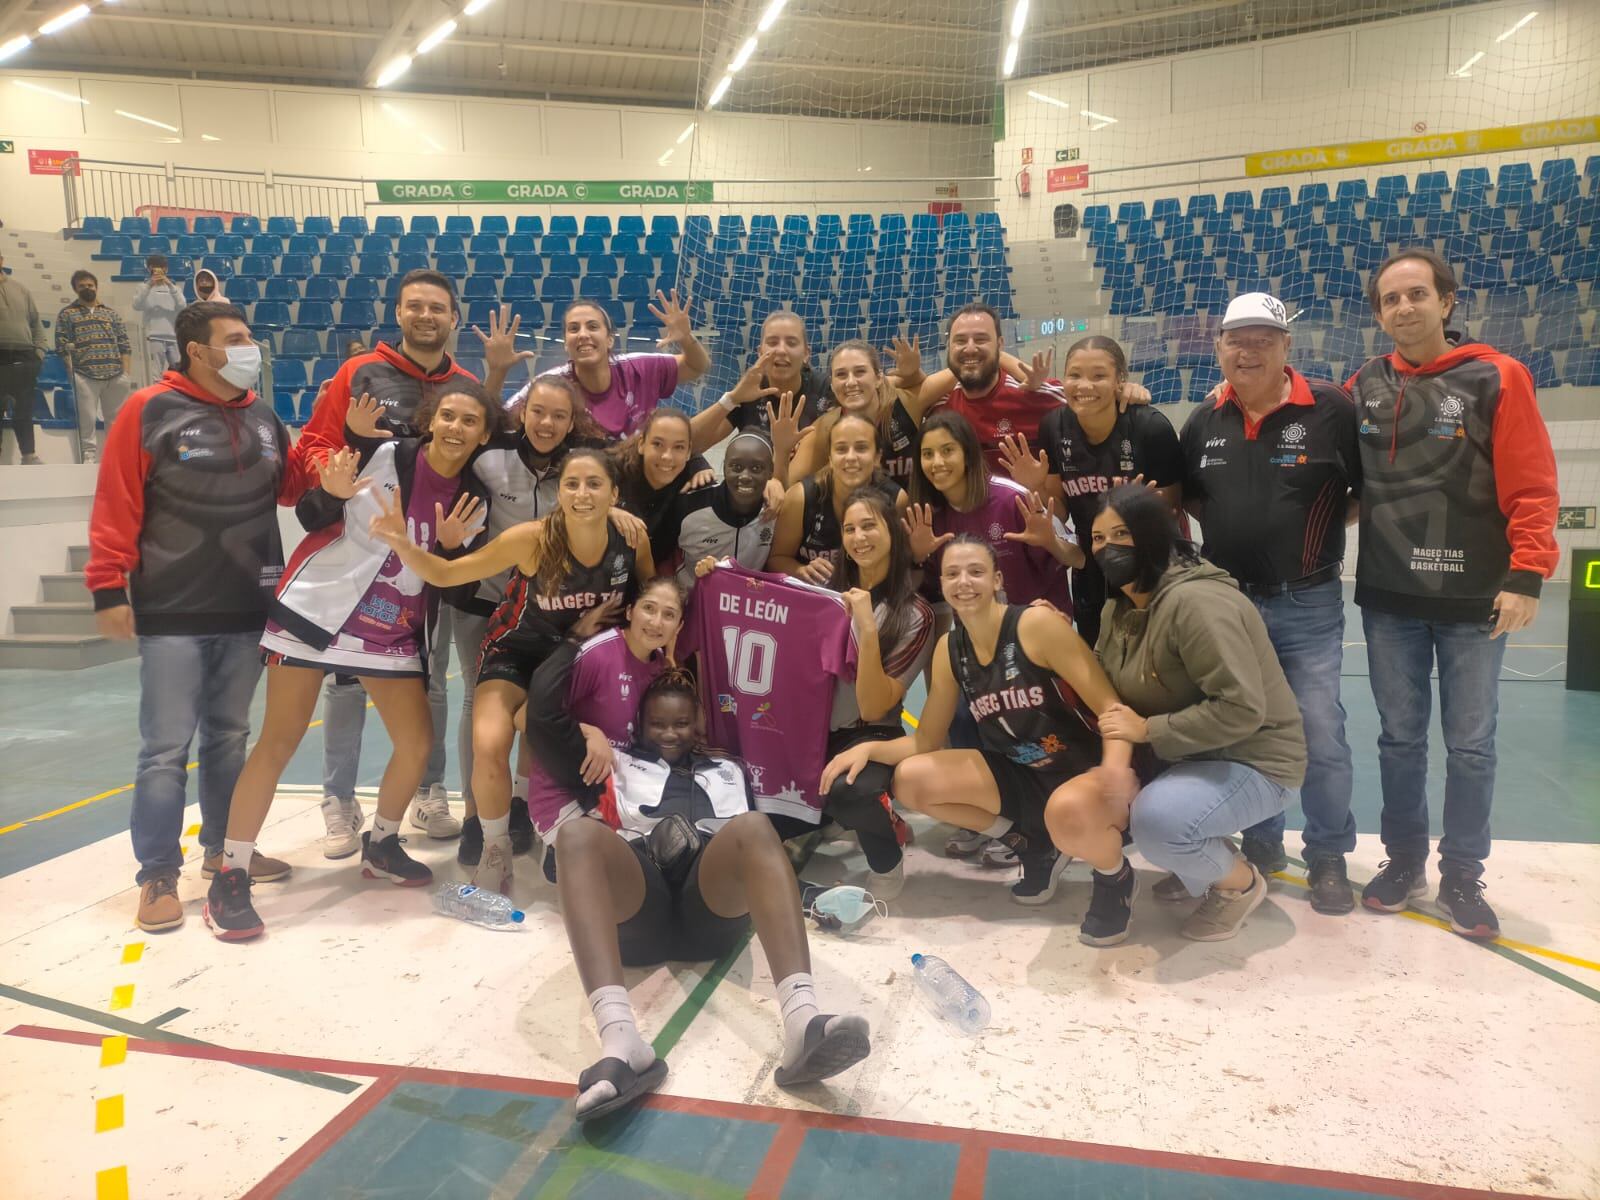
187,684
1183,818
1400,658
469,631
1307,631
344,716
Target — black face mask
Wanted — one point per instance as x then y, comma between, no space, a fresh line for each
87,295
1119,565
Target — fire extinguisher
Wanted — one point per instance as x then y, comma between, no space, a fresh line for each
1024,182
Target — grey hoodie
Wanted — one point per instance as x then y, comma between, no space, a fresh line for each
159,304
1198,665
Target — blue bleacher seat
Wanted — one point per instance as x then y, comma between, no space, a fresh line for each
193,245
155,244
339,243
298,343
322,287
1342,344
172,226
286,404
564,226
295,266
1506,302
1583,366
1541,365
289,374
323,370
530,265
336,265
1508,241
1313,193
408,261
314,314
230,245
529,224
271,314
558,289
134,226
320,226
522,243
453,264
489,264
480,287
114,248
1530,267
1504,333
391,226
1202,378
94,228
1558,297
1486,220
1351,189
1558,331
1482,272
374,266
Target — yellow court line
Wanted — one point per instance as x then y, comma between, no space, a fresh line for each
108,1113
121,996
114,1050
111,1184
133,952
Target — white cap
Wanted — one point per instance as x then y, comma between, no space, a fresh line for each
1255,308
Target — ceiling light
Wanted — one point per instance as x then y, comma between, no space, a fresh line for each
438,34
721,90
1043,99
145,120
71,17
770,17
206,137
14,46
1517,26
396,68
1094,116
1011,60
1019,19
662,161
1461,71
684,136
476,7
36,87
739,59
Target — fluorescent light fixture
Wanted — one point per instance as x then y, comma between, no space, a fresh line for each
1094,116
721,90
1517,26
1461,71
206,137
770,17
438,34
71,17
1043,99
739,59
662,161
396,68
684,136
15,46
145,120
476,7
1011,59
45,91
1019,19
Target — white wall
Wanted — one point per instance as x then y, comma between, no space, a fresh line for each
1375,80
801,162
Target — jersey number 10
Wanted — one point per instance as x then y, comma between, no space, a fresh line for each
752,658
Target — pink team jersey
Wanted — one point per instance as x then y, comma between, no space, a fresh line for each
1029,572
771,651
639,382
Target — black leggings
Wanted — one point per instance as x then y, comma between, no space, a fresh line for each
857,805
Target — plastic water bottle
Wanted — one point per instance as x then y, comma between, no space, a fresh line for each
953,998
471,903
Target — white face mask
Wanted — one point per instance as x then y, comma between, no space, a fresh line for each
243,365
845,909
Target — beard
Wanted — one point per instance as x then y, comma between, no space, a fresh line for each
977,377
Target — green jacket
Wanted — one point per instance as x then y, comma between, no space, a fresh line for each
20,327
1198,666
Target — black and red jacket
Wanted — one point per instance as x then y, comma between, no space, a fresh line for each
388,375
1459,498
185,521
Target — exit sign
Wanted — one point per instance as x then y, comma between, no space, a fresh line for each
7,146
1575,516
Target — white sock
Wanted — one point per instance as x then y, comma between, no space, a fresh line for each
497,827
236,854
619,1035
382,827
1001,827
797,1000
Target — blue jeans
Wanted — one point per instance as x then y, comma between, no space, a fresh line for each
1183,818
1400,658
344,717
187,684
1307,631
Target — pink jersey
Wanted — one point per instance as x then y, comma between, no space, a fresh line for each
639,382
1029,572
604,690
771,651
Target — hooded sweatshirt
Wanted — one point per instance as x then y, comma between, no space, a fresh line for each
217,295
1198,666
390,376
159,304
1459,497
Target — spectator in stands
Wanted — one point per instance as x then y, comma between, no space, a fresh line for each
22,349
184,552
1458,512
354,347
1270,470
622,390
92,340
158,301
207,286
403,377
783,364
997,404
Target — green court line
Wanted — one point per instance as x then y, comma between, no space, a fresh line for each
697,999
172,1014
580,1164
148,1031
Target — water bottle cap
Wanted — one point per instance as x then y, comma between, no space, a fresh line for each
916,960
517,916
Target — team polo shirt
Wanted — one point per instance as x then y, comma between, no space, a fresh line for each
1274,492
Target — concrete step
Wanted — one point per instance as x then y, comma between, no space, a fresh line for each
61,652
69,617
67,587
77,557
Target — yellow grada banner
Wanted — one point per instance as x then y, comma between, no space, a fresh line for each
1564,131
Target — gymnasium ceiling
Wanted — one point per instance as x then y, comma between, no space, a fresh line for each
925,59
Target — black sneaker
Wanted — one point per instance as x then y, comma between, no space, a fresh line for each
521,827
388,860
1041,869
1266,857
1330,886
228,910
1110,907
1470,915
470,848
1397,883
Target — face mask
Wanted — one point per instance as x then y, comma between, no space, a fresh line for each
87,295
845,909
1119,565
243,365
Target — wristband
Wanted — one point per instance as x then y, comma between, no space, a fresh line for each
726,403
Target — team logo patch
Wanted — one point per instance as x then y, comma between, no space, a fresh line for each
726,703
1452,407
1127,448
1003,427
762,718
1295,434
996,531
1012,670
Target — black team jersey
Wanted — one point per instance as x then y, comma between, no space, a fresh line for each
528,621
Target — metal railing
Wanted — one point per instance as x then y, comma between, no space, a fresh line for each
101,188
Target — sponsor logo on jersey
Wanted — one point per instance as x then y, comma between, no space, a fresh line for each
762,718
1452,406
727,703
1293,436
1002,427
757,772
1011,662
185,453
764,535
509,497
1213,443
996,531
1011,699
190,431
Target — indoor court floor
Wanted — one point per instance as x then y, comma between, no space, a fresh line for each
368,1048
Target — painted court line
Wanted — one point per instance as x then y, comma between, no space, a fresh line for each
388,1076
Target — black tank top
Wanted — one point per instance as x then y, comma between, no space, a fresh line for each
1024,711
819,524
532,621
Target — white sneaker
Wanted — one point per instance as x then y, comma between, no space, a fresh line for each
890,884
431,814
494,868
91,455
997,855
344,833
964,843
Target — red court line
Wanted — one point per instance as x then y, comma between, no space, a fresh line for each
290,1168
775,1167
986,1140
971,1170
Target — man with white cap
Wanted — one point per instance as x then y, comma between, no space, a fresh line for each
1271,467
